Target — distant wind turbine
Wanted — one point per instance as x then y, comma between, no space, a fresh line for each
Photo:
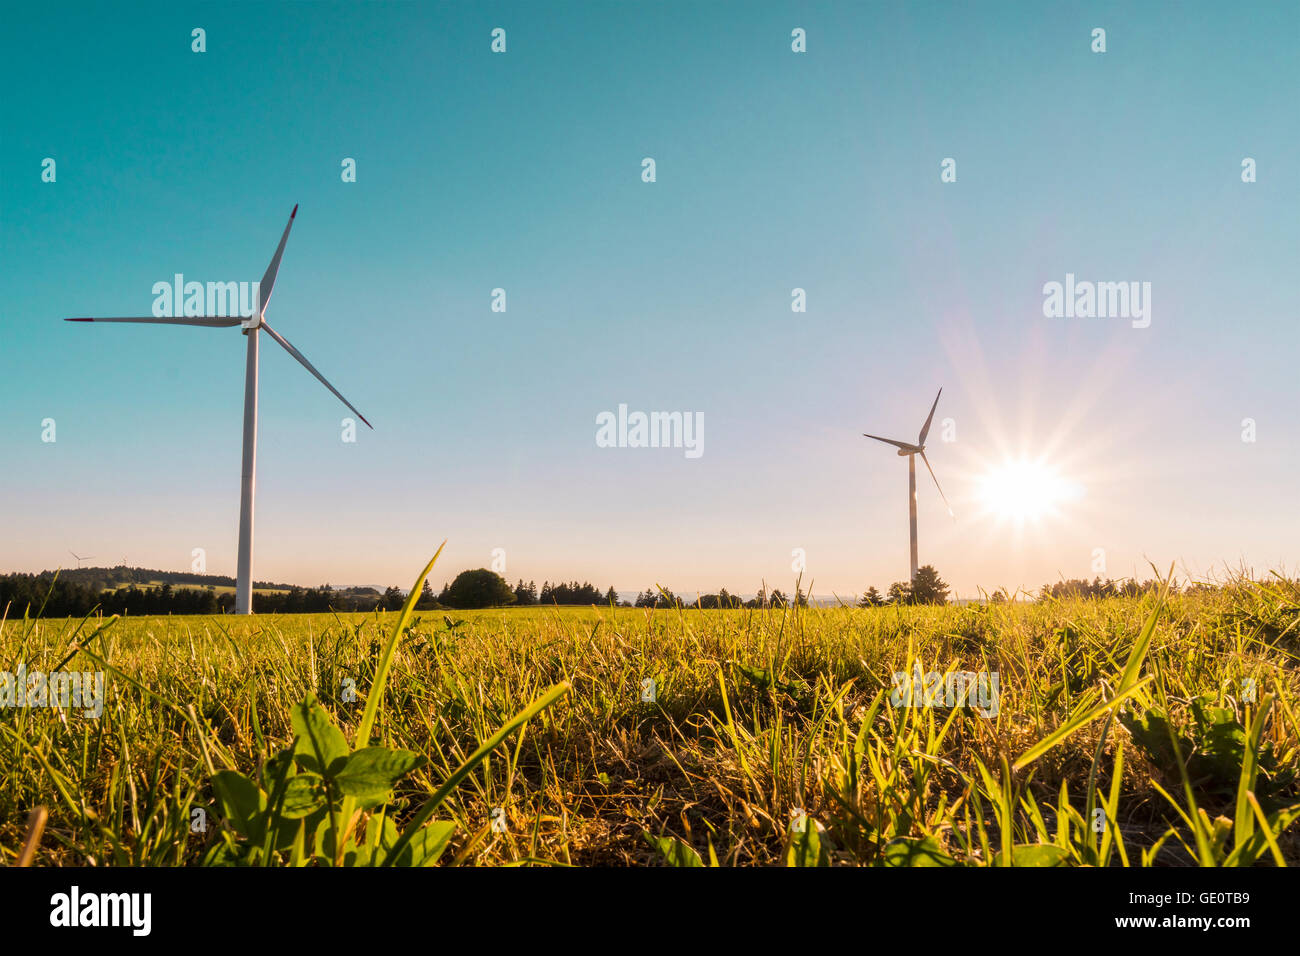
80,557
911,451
248,475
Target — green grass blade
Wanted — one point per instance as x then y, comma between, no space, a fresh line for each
386,658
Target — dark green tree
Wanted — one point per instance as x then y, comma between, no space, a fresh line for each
900,592
477,588
872,598
427,600
928,588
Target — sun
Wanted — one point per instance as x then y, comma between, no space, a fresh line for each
1025,490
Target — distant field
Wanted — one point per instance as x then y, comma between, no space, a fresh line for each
214,588
771,737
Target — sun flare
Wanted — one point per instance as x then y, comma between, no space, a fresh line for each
1026,490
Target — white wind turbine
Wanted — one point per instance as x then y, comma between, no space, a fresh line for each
911,451
248,480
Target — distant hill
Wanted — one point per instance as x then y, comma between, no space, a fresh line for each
106,579
128,590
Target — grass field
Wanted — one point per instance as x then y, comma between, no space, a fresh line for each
1157,730
214,588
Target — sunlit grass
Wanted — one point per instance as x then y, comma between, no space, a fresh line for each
760,716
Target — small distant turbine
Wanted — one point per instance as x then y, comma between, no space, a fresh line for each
248,477
80,557
911,451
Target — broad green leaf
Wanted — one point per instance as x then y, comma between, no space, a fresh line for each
425,846
673,850
1035,854
242,804
1150,730
223,854
371,772
912,851
304,795
381,834
276,772
319,746
324,846
805,848
763,680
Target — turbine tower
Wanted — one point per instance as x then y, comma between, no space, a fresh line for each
911,450
251,325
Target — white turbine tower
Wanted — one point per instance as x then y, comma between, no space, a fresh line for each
911,451
248,476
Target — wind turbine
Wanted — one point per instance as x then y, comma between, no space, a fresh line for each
248,476
911,451
80,557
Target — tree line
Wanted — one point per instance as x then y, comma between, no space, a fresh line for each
561,593
73,594
76,593
1097,588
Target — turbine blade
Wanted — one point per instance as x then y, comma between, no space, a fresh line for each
268,280
889,441
212,323
309,367
936,484
925,429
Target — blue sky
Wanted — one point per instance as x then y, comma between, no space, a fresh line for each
775,170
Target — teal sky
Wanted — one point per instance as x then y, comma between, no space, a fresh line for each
775,170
